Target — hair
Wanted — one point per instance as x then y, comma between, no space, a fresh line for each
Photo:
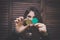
37,14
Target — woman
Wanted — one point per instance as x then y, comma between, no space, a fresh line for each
30,26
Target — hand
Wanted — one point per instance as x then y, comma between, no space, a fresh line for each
38,25
41,27
19,21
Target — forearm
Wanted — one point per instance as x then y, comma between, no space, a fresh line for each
21,28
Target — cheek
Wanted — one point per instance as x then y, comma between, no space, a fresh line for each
32,15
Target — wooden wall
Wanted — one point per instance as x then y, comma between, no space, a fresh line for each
53,18
3,19
11,9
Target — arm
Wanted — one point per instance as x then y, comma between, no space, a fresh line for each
41,27
19,25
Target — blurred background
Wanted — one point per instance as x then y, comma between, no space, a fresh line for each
11,9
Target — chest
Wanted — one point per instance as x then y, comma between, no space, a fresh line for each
31,32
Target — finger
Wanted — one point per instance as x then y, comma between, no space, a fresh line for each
18,19
21,18
30,24
36,24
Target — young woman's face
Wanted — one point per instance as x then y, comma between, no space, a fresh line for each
31,14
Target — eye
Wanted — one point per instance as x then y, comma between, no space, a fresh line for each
29,16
